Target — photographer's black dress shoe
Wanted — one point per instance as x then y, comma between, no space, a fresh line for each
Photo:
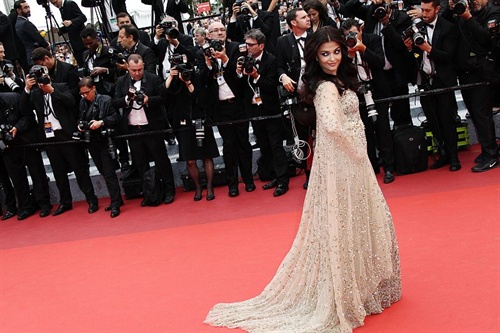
115,211
388,177
8,215
93,207
250,187
45,212
168,199
61,209
24,214
233,192
270,185
280,190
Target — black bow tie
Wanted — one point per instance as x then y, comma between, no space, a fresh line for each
429,25
301,39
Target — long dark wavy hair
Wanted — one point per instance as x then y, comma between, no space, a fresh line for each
346,77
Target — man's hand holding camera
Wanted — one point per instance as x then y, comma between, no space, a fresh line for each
132,96
359,46
240,70
98,71
93,125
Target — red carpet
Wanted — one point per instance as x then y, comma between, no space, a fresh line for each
160,269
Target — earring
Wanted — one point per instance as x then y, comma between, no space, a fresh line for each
316,59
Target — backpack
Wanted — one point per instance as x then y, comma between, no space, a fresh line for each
153,188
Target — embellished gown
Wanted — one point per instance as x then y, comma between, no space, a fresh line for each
344,262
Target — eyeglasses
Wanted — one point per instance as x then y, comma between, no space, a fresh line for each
251,44
218,30
85,93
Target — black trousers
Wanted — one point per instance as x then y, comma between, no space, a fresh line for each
479,103
269,134
75,156
8,189
106,166
440,111
144,147
16,161
400,109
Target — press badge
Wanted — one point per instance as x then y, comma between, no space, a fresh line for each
256,97
220,79
49,133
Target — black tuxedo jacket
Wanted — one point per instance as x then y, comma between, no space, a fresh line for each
71,11
444,44
210,94
152,85
186,46
288,56
66,73
143,38
395,50
175,10
148,56
237,30
21,118
106,83
29,35
63,105
374,57
267,83
7,38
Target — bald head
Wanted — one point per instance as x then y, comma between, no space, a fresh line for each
217,31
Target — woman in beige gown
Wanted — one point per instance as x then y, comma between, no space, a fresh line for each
344,261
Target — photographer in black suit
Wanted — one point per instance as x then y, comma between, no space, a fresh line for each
9,79
247,15
59,71
22,130
368,55
73,23
97,62
382,19
474,44
97,121
128,38
57,113
224,93
434,45
290,61
138,93
261,99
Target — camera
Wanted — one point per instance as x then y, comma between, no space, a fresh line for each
247,62
8,81
170,30
82,136
217,45
366,90
460,6
382,9
179,62
414,33
117,56
108,134
243,49
139,97
5,134
40,73
351,39
177,59
493,27
287,100
199,132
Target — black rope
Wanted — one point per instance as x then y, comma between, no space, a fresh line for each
259,118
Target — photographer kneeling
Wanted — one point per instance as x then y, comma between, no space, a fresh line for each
96,123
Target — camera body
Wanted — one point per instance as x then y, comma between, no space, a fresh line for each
415,34
351,39
382,9
117,56
179,62
40,73
247,62
199,132
217,45
8,81
170,29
